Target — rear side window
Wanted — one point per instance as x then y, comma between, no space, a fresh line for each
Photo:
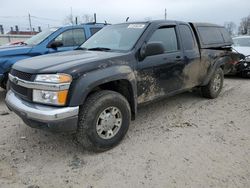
210,35
226,35
73,37
187,37
168,38
94,30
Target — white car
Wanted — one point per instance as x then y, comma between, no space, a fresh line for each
242,45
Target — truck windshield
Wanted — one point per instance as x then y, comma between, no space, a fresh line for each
120,37
40,37
242,42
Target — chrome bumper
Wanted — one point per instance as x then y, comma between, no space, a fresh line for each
42,116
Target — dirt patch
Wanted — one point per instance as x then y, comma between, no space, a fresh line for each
183,141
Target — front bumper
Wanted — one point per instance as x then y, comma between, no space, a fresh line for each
244,68
246,73
56,119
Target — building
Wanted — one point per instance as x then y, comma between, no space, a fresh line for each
16,35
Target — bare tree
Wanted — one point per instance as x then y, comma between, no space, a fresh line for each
244,27
230,27
85,18
69,20
148,19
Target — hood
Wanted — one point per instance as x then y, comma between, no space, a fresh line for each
10,50
71,62
243,50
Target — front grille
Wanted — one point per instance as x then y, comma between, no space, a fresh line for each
22,92
19,89
21,75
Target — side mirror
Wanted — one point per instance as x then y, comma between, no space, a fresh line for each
152,48
55,44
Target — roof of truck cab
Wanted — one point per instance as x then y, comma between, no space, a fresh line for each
156,21
176,21
203,24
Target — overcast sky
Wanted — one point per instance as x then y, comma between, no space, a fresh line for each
53,12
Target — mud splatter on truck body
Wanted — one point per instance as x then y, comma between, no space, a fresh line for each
191,67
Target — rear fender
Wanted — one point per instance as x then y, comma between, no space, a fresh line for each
217,64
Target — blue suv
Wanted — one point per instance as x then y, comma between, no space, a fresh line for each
49,41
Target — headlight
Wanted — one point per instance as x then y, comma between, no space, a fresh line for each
52,97
247,59
53,78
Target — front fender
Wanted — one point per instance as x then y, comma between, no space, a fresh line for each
80,88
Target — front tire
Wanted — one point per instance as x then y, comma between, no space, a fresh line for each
214,87
103,120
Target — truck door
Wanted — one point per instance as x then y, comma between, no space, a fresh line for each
159,75
193,72
70,40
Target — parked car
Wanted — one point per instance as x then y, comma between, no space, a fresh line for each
242,44
96,89
49,41
242,63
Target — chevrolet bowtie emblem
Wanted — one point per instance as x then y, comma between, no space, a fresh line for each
15,80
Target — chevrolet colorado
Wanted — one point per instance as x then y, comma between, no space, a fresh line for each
96,89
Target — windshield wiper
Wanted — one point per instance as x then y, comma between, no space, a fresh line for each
99,49
81,48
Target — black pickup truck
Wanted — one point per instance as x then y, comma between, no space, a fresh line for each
96,89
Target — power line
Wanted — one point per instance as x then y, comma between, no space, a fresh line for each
36,17
11,17
42,18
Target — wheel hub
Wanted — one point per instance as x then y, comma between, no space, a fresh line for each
217,82
109,122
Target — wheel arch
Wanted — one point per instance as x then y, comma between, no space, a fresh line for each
219,63
120,79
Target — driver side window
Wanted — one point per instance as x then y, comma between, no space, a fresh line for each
167,36
73,37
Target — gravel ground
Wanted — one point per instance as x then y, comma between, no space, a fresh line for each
183,141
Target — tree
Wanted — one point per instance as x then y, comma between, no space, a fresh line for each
69,20
148,19
85,18
230,27
244,27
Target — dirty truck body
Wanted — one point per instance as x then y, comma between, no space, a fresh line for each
96,89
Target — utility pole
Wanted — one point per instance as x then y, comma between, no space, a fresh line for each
165,13
71,16
95,17
30,24
76,20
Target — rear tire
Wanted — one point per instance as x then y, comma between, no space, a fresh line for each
214,87
103,120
